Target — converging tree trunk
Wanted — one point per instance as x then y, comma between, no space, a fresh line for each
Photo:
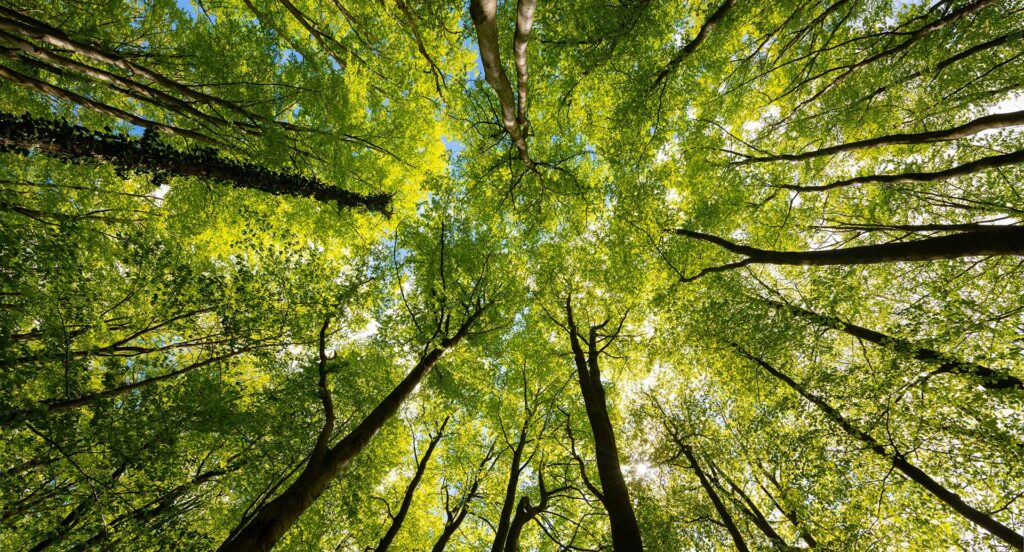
614,493
702,34
897,460
75,516
506,530
78,144
723,512
163,506
786,510
484,14
745,504
63,405
994,241
511,487
455,516
270,522
526,512
18,23
410,490
978,165
453,523
988,122
944,362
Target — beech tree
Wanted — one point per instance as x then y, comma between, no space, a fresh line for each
505,275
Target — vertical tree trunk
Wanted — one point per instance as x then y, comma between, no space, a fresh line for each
504,519
615,495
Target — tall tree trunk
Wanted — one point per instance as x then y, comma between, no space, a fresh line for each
746,505
1002,532
913,37
524,27
410,490
449,530
790,513
455,519
723,512
44,87
988,122
691,46
78,144
997,240
30,53
485,19
57,405
526,512
978,165
614,493
74,517
270,522
944,362
162,505
414,28
507,506
21,24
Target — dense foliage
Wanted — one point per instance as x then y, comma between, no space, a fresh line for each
674,275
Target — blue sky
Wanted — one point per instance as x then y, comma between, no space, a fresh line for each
187,7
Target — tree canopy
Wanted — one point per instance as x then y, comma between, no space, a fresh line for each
429,275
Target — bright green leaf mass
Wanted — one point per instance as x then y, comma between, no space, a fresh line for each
511,275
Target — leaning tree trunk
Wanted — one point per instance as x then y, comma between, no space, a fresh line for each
62,405
702,34
454,519
978,165
77,144
988,122
614,493
455,522
898,461
274,518
526,512
746,505
410,490
75,516
991,241
165,505
944,362
484,14
791,515
723,512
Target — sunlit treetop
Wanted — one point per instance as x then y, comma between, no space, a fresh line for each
512,275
